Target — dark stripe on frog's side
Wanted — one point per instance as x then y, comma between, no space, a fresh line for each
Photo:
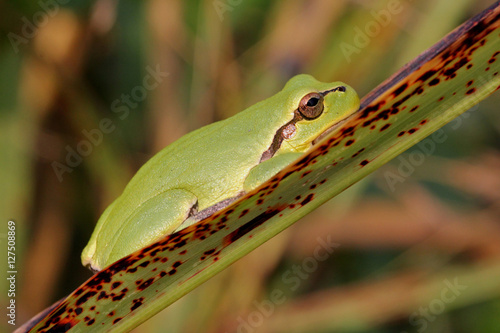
278,137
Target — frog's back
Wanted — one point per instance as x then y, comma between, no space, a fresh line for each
194,163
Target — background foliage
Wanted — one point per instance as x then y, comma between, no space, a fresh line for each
400,243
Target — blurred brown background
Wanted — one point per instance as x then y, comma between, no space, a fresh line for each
90,91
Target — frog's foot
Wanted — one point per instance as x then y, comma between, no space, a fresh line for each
196,216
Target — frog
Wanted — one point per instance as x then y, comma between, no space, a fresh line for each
209,168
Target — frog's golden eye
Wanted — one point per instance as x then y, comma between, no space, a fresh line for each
311,105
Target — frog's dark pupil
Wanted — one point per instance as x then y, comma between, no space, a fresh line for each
313,101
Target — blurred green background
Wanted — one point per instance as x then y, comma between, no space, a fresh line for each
418,254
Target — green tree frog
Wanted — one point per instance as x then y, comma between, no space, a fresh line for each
207,169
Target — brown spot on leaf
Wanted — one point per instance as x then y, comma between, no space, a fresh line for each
386,126
305,174
250,225
209,252
144,263
85,297
136,303
308,199
427,75
358,152
400,89
348,131
145,284
396,110
434,82
116,285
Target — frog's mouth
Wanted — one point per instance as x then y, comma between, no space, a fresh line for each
330,129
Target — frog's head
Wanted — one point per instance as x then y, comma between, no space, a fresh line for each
317,107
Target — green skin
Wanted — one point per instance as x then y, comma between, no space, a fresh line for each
207,169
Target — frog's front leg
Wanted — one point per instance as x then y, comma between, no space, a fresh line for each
153,219
257,175
267,169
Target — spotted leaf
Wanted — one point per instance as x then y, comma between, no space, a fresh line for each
443,82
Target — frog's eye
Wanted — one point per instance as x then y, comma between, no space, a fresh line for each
311,105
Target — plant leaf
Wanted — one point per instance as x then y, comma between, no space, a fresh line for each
443,82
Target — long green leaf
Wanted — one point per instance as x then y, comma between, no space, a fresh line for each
458,72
